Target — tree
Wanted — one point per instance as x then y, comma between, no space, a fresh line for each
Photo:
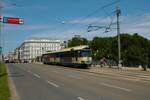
134,49
76,41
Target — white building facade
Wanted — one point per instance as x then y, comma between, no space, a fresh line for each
32,48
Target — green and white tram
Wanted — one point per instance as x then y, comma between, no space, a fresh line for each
79,56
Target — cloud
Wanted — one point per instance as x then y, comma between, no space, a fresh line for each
26,27
68,34
137,24
98,20
129,24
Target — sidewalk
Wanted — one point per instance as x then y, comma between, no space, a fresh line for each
122,68
124,72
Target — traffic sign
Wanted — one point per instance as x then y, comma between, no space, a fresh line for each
12,20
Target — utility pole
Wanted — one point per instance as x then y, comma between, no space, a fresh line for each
118,12
0,31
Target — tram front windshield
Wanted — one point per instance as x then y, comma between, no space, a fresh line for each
86,53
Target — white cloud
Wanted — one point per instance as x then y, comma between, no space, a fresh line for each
26,27
131,24
69,33
95,20
137,24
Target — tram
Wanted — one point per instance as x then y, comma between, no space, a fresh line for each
79,56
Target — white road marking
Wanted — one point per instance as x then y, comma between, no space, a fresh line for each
29,71
53,84
144,77
147,79
36,75
56,72
117,87
73,76
80,98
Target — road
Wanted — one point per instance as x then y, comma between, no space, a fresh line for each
49,82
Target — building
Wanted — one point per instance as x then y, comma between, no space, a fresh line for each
34,47
10,57
16,55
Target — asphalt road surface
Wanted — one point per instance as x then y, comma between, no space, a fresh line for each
48,82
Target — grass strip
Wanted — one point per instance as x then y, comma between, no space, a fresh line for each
4,87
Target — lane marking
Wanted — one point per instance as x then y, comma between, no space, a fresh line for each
36,75
53,84
29,71
76,77
117,76
80,98
117,87
56,72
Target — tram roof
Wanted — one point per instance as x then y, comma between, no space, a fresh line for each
70,49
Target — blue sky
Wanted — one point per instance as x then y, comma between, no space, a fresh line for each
62,19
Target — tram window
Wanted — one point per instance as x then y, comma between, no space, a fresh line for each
60,54
71,54
79,53
76,53
54,55
68,54
65,54
86,53
57,54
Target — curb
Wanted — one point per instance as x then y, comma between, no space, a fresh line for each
13,91
128,76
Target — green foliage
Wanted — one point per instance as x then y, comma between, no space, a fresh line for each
4,89
134,49
76,41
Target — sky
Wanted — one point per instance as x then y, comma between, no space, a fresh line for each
62,19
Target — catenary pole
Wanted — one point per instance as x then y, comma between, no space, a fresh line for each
118,12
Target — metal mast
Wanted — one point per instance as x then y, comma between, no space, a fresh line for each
118,12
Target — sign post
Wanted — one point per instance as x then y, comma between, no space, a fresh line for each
8,20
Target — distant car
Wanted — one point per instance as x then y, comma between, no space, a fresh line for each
25,61
6,61
11,61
